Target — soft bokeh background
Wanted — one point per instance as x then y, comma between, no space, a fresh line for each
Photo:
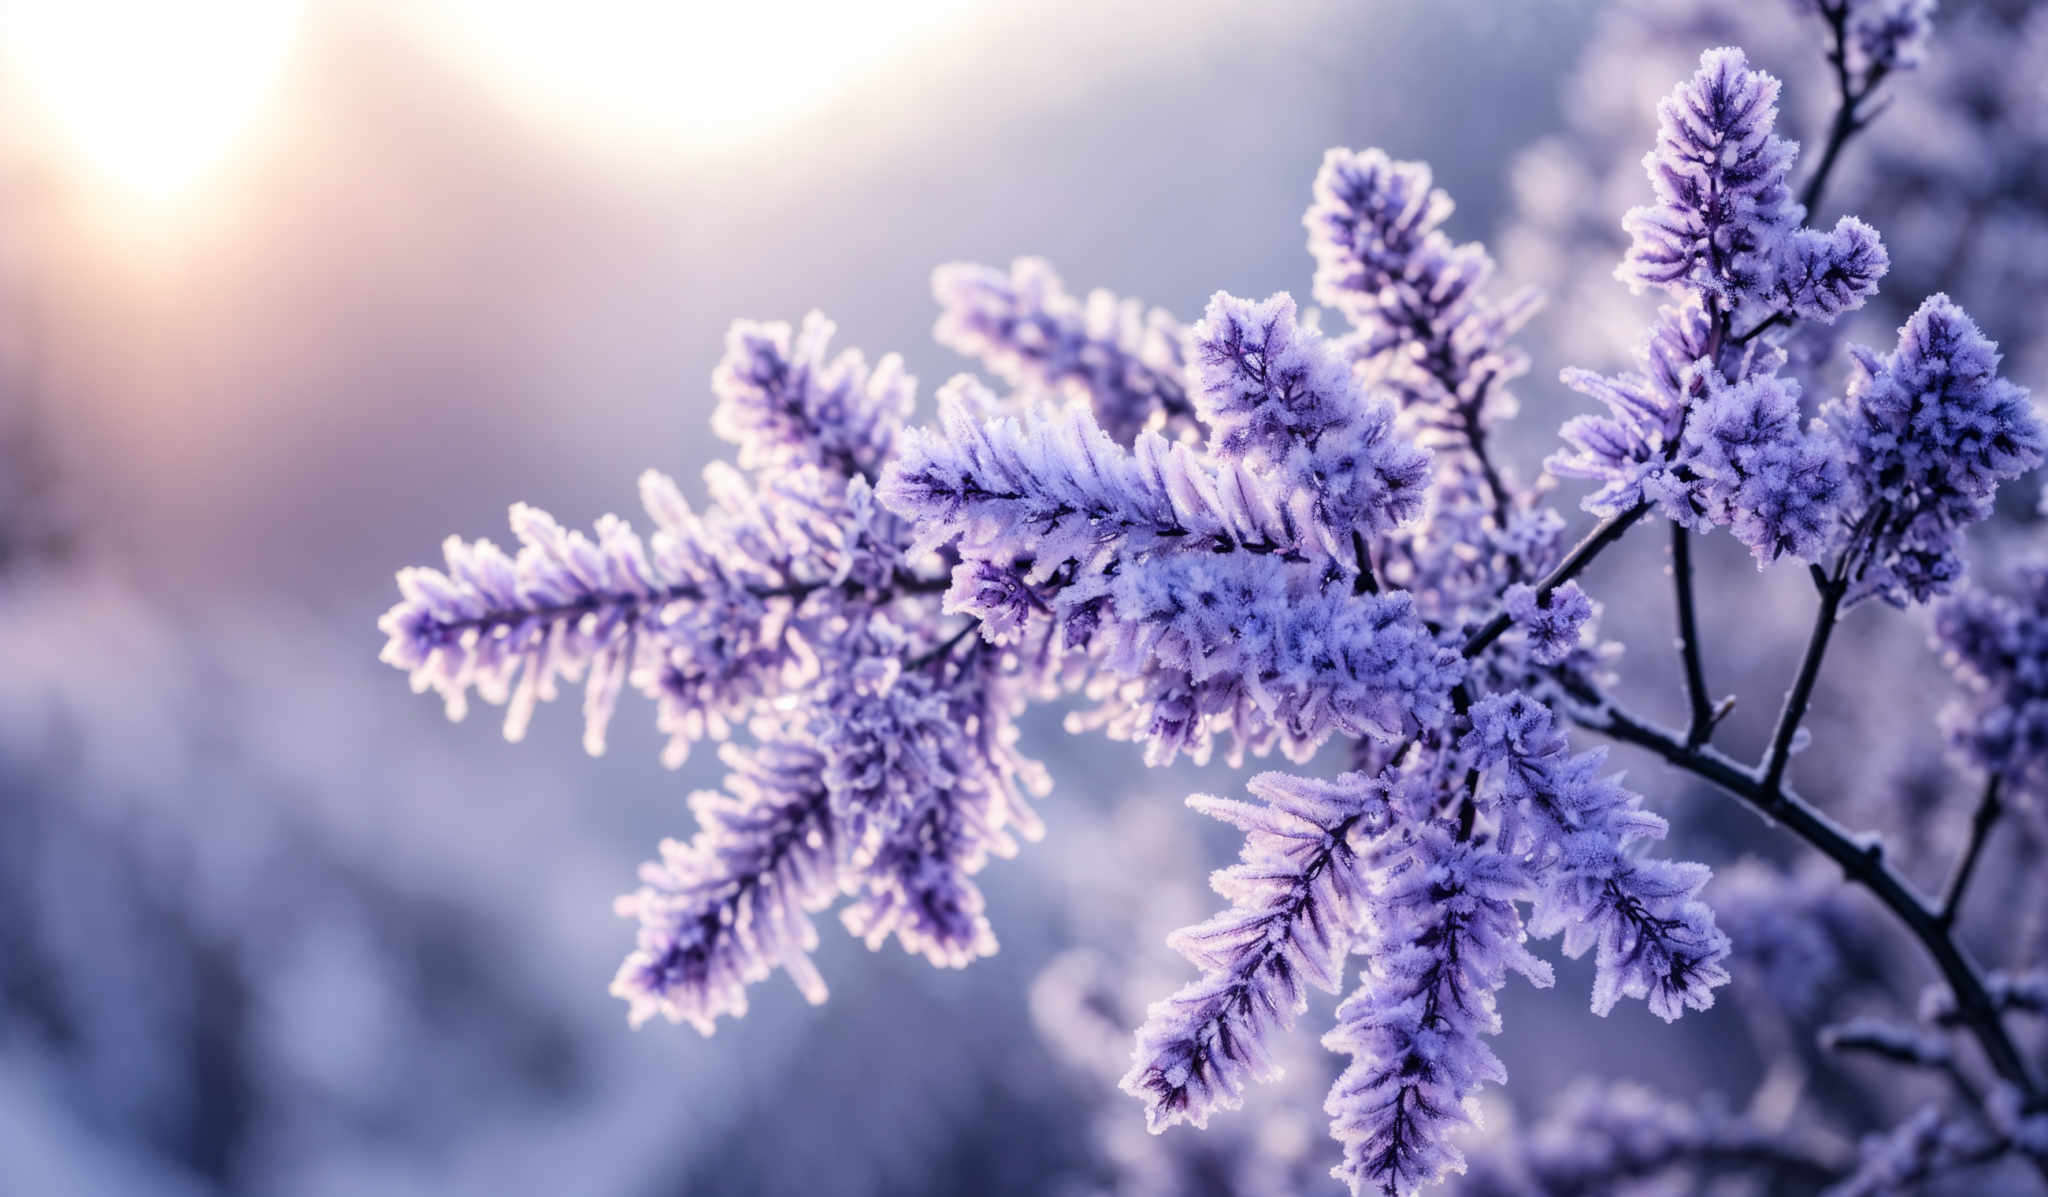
289,291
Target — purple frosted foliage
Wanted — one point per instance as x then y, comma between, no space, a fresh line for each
721,912
1123,359
1246,534
1796,935
1206,595
1653,938
1264,385
1310,658
1720,178
893,784
1630,450
1772,482
787,405
1725,224
1446,936
972,805
1051,486
1927,433
1369,218
1428,331
1706,451
1997,646
1552,622
1822,275
697,617
924,788
883,766
1457,562
1279,400
1295,899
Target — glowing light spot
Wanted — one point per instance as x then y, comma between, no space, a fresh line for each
688,76
145,96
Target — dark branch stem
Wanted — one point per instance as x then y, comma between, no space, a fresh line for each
1700,725
944,648
1763,326
1367,582
1989,808
1849,98
1475,438
1582,554
1862,863
1801,693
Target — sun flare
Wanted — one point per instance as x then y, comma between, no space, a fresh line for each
143,96
683,76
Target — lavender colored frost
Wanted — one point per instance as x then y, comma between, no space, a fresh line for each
1245,532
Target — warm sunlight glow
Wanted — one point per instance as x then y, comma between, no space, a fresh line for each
689,75
145,95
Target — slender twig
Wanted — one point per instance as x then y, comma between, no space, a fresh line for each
1700,726
1367,582
1850,95
1989,807
1475,439
1801,693
1764,325
1862,862
944,648
1582,554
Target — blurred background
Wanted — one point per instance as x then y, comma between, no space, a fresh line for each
291,289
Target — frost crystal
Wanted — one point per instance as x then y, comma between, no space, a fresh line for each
1283,403
1552,622
786,405
1124,360
1245,533
1295,900
1719,171
1928,432
1998,648
1447,935
1427,328
1770,480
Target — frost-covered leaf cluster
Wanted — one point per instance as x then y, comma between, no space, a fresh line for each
1243,530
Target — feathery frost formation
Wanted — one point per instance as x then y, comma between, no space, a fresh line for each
1211,592
1244,532
882,765
1297,899
1998,648
1123,359
1929,430
1714,436
1281,402
1721,175
1426,327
